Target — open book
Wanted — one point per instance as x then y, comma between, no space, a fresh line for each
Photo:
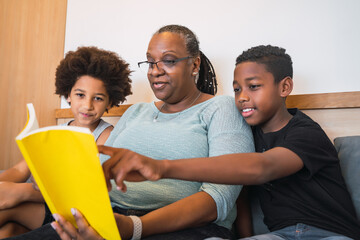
65,165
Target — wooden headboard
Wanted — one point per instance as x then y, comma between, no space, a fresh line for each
337,113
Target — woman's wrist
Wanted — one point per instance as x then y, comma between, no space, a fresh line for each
137,228
125,225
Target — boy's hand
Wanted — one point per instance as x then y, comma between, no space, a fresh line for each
130,166
10,194
67,231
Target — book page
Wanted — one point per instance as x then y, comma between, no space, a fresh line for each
31,123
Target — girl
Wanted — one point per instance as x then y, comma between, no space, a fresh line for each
92,80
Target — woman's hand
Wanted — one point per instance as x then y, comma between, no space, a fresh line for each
130,166
67,231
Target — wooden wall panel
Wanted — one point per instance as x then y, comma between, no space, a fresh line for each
32,35
324,100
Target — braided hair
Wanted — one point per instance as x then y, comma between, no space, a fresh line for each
206,82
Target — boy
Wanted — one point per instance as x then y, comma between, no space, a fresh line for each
295,168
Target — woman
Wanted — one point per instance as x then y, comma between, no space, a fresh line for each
188,121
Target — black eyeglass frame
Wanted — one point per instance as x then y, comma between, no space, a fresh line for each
171,62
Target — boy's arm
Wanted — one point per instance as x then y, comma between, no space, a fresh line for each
18,173
239,168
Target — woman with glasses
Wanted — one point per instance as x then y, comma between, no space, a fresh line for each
187,122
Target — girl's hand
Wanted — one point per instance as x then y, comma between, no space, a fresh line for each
34,184
11,194
67,231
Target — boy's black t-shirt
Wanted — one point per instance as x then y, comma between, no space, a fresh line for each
316,195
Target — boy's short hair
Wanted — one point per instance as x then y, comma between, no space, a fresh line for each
275,59
104,65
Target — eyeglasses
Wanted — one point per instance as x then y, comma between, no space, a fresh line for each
147,66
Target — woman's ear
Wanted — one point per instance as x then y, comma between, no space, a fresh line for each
68,100
286,86
196,65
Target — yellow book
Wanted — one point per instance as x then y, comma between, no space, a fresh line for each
64,162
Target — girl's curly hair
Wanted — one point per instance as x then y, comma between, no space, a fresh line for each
104,65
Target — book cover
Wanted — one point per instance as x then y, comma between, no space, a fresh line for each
64,162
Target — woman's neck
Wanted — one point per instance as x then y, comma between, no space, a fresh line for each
180,106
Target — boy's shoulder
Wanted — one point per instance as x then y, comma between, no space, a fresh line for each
301,120
299,115
300,130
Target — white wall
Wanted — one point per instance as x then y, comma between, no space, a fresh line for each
321,36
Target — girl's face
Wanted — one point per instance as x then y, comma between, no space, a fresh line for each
89,100
171,81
